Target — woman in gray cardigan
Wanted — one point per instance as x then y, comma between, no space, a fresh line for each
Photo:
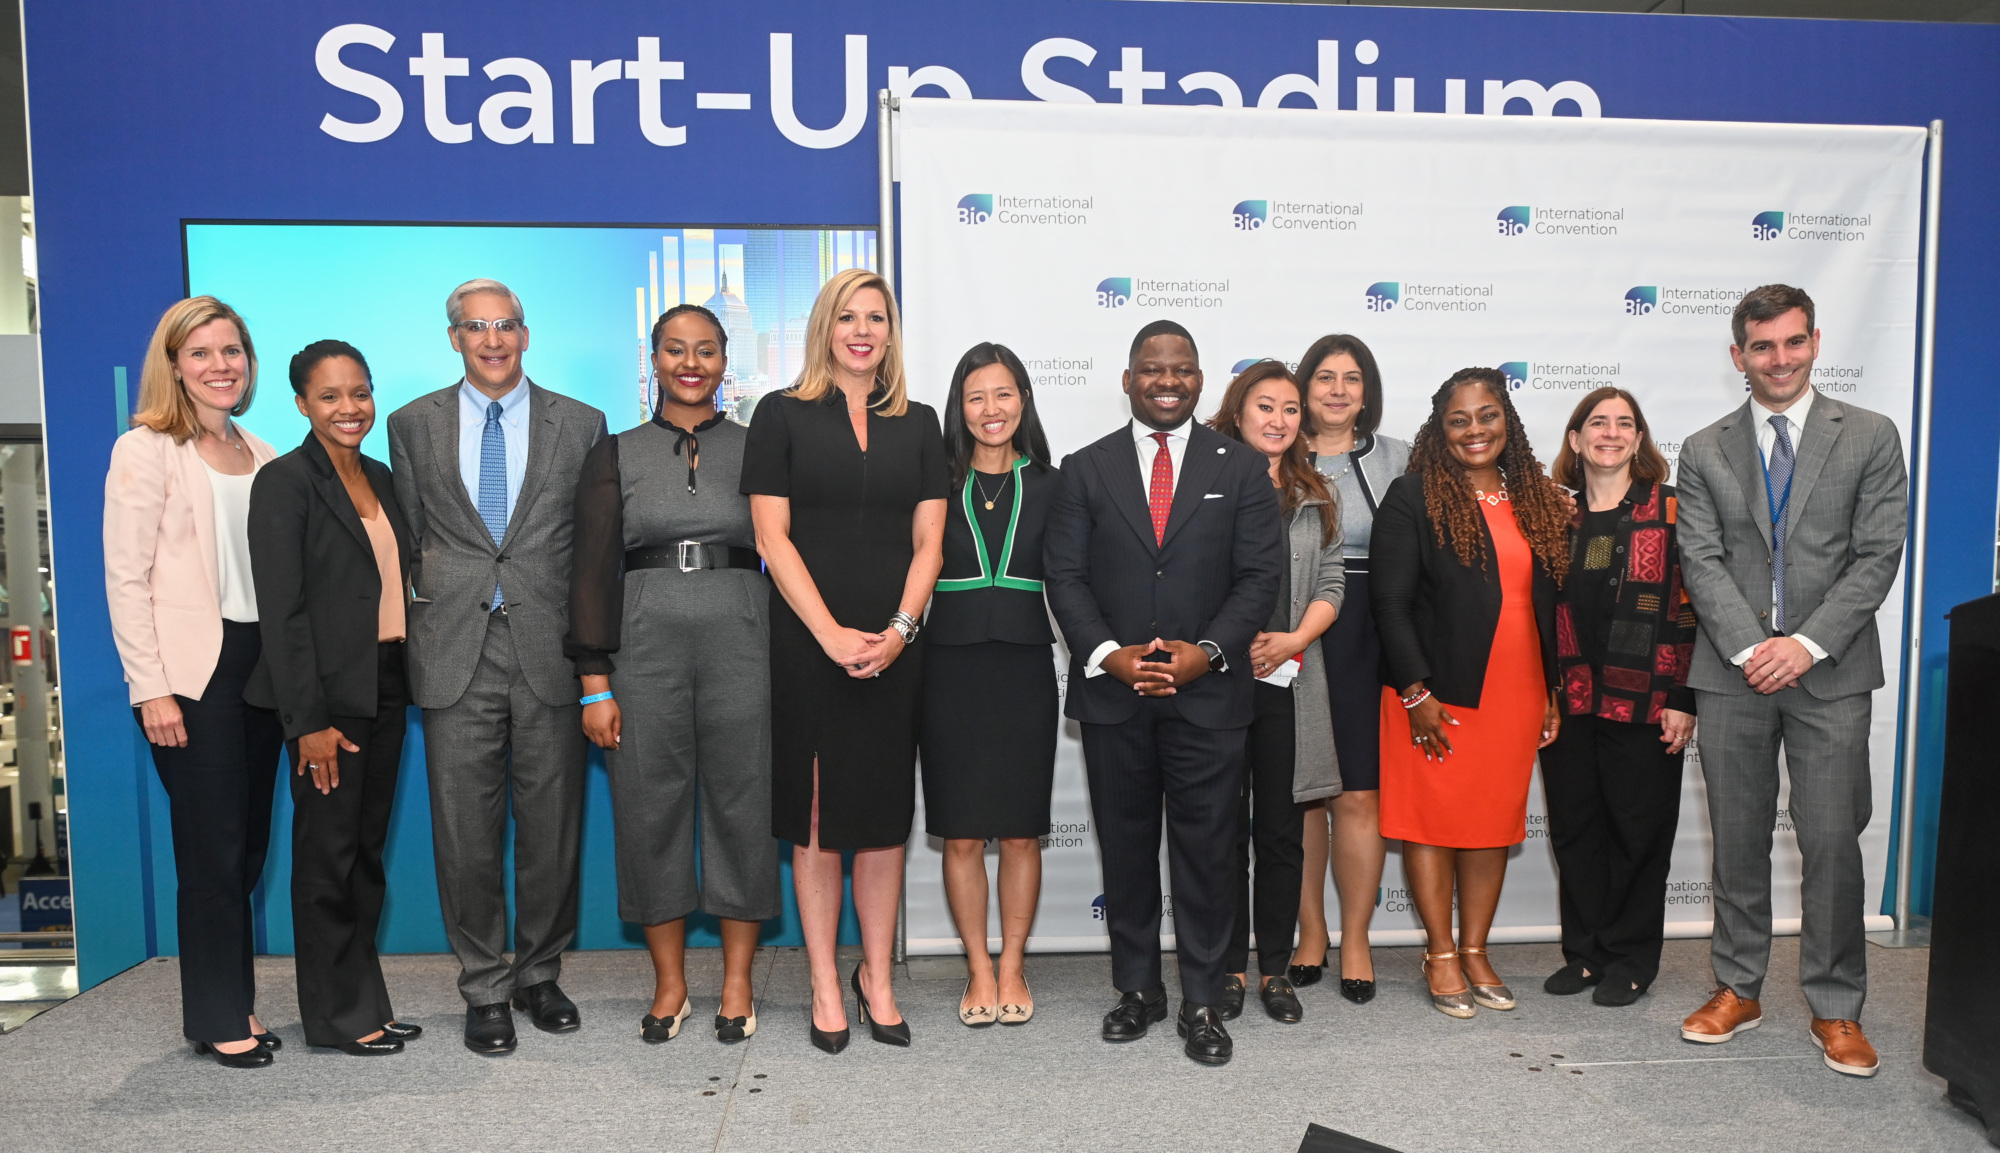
1291,759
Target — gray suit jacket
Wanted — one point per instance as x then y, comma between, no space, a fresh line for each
1319,573
1843,547
457,561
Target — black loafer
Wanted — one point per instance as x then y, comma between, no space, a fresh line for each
1358,991
1207,1041
256,1057
1281,1002
1134,1014
1232,998
402,1032
1618,992
380,1047
546,1006
1570,980
270,1041
489,1029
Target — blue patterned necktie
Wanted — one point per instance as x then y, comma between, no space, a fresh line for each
493,481
1780,473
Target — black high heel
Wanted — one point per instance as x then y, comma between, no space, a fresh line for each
824,1041
897,1034
1303,975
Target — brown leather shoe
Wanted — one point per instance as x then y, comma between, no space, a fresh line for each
1725,1015
1846,1047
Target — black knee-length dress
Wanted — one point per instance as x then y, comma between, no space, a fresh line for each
852,516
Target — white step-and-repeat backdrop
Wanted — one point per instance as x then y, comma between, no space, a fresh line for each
1569,252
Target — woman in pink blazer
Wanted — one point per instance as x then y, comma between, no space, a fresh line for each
184,614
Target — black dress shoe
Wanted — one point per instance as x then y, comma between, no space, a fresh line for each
1207,1041
253,1058
489,1029
1232,997
1570,980
270,1041
402,1032
1135,1012
1617,992
1303,975
1281,1002
546,1006
1358,991
380,1047
896,1034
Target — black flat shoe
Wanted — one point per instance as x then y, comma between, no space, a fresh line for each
1232,998
380,1047
1303,975
897,1034
489,1029
1207,1041
546,1006
270,1041
1570,980
1281,1002
1359,992
823,1040
402,1032
657,1029
1617,993
1134,1014
255,1058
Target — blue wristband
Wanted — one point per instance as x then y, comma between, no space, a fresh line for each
594,698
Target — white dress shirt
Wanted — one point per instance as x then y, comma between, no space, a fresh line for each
232,544
1147,450
472,431
1767,439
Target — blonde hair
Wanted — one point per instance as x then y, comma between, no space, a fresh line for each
816,380
164,405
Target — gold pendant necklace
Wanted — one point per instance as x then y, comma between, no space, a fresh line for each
982,490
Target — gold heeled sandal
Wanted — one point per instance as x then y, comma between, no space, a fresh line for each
1459,1004
1491,996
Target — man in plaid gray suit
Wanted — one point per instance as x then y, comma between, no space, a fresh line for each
1792,519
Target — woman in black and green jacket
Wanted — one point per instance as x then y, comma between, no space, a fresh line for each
989,708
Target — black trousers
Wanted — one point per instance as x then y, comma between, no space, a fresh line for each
219,788
1614,800
337,879
1268,815
1135,768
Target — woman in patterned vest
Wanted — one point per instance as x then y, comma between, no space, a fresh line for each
1624,637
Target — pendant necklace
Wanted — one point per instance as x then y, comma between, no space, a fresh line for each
982,490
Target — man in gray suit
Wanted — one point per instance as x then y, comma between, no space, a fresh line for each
1792,517
486,471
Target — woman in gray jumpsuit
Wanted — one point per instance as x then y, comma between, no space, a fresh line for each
667,578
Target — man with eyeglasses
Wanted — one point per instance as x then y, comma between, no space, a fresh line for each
486,471
1162,561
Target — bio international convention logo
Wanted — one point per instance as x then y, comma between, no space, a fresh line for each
1767,226
1250,215
1383,295
1514,221
1516,372
1114,292
976,208
1641,299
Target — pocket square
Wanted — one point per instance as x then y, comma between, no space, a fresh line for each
1211,496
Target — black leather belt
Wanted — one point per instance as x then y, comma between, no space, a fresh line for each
690,555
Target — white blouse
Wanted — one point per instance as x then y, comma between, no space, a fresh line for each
232,544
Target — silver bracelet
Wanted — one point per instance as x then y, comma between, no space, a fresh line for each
906,626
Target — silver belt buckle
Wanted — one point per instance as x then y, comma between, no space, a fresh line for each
686,549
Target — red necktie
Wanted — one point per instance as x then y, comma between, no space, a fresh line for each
1161,500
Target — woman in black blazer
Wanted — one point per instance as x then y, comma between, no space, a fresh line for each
330,553
1465,554
989,708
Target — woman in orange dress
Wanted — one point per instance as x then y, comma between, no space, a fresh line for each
1465,550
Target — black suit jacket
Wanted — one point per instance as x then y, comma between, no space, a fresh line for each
1214,576
318,590
1436,617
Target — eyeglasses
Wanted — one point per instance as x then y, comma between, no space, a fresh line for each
503,327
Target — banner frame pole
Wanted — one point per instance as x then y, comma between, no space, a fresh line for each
1908,932
886,106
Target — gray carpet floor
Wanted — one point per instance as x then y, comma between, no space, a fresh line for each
108,1071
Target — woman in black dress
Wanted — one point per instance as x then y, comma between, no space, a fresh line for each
989,717
847,485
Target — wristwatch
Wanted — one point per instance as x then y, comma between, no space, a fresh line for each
1215,662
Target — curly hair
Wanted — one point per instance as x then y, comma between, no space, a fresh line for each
1539,509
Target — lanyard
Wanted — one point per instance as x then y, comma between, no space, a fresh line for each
1777,504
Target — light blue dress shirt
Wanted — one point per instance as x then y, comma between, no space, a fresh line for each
472,427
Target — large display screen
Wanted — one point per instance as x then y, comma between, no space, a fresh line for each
590,294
